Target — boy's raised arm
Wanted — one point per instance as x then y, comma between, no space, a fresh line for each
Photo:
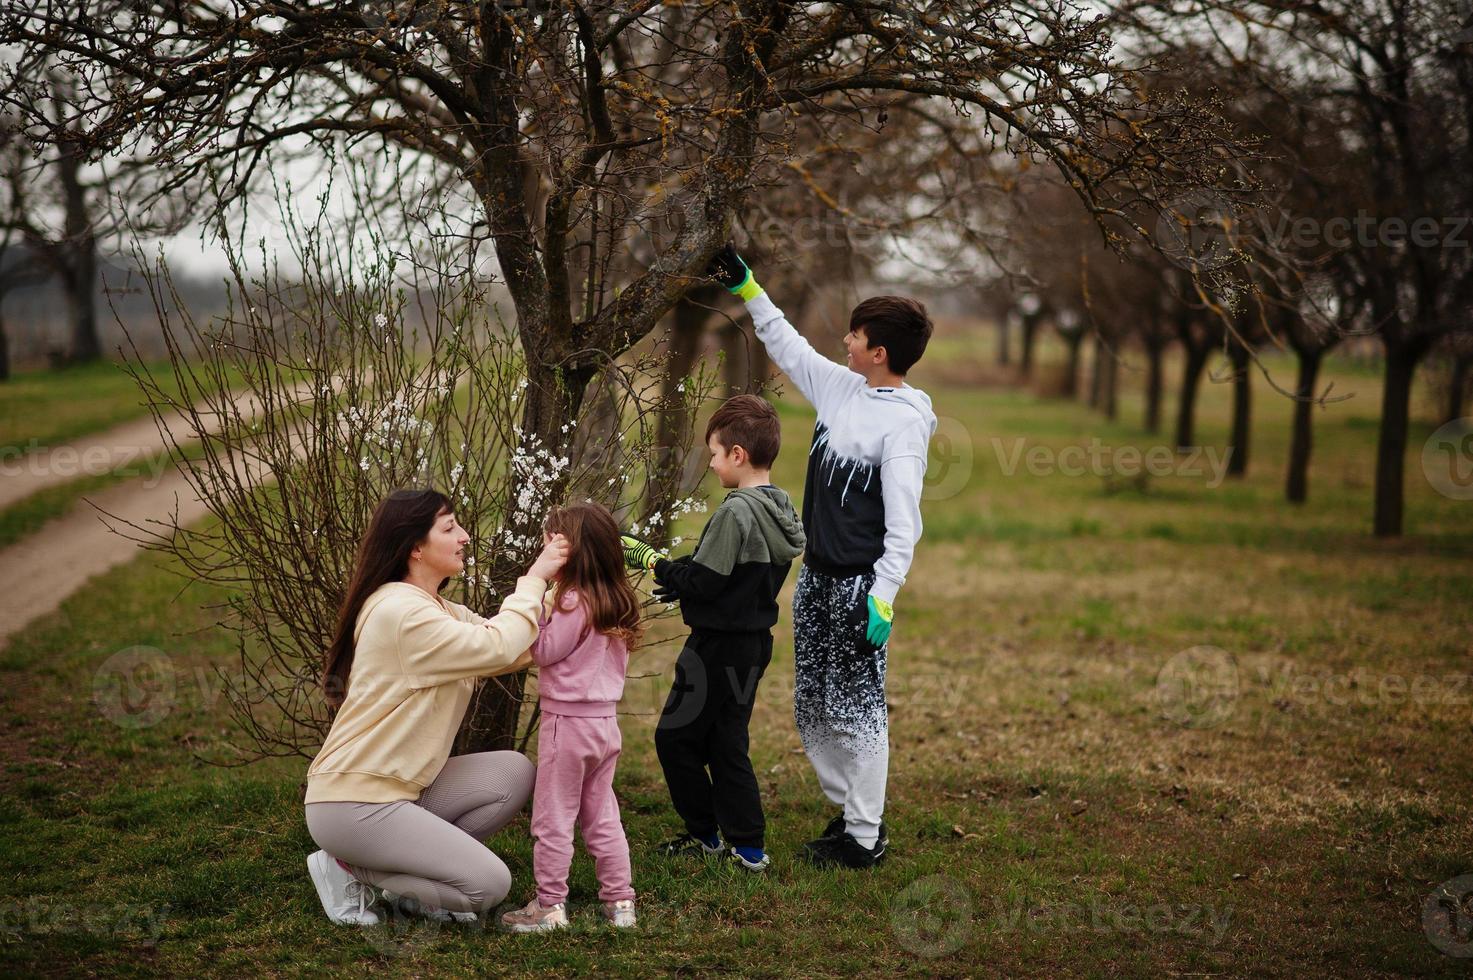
818,378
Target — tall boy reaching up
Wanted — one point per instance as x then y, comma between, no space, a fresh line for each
862,517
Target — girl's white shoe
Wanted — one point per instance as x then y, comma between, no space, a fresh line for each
621,913
346,900
534,918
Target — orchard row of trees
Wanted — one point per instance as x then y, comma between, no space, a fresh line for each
66,201
1361,111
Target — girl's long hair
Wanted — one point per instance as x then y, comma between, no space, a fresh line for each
402,520
595,569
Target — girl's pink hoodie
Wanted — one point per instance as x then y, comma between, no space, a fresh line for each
579,670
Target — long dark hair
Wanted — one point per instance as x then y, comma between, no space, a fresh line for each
401,521
596,569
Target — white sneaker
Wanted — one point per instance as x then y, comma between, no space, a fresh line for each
621,913
410,905
346,900
534,918
736,858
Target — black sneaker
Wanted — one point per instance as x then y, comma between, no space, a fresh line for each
687,844
844,851
836,829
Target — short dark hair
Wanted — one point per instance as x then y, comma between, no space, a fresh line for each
898,324
750,422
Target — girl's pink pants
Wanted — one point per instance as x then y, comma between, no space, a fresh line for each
575,784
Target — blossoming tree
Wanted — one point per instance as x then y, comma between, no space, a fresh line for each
601,149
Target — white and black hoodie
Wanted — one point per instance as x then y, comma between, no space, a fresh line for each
867,465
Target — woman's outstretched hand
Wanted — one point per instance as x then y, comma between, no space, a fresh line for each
553,557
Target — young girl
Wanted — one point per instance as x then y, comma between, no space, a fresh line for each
591,622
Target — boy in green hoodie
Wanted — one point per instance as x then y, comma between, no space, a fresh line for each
727,592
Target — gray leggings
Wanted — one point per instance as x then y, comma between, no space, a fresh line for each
431,849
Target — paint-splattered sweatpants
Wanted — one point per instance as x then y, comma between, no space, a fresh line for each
839,696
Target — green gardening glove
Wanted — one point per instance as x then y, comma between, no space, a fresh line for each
881,613
637,553
728,269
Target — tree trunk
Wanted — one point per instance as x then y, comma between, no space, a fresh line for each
761,368
1071,367
734,350
80,284
1004,336
1302,435
1096,373
4,351
747,365
79,275
1153,385
1030,334
1457,387
553,397
1112,378
686,331
1242,428
1186,405
1401,366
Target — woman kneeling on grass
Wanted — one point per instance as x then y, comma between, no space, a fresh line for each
385,802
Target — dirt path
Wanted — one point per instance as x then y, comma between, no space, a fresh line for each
41,570
135,446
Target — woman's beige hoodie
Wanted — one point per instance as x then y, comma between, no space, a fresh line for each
416,659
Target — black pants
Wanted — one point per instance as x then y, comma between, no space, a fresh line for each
704,725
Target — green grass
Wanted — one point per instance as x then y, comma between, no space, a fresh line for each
50,407
1047,816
